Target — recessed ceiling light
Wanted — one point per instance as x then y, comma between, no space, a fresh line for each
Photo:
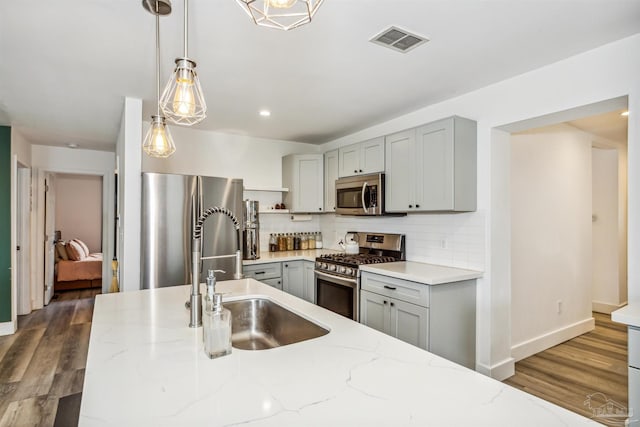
72,145
265,113
625,113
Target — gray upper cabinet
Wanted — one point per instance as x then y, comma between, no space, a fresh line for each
432,167
330,176
303,175
361,158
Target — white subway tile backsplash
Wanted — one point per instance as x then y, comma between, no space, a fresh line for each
456,240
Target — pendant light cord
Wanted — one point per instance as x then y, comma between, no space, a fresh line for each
186,27
157,59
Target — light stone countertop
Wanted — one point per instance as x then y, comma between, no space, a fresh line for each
629,314
146,367
429,274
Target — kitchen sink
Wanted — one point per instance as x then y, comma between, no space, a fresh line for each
260,324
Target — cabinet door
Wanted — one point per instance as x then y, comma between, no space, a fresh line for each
399,171
303,175
409,323
330,176
349,160
372,155
374,311
293,278
434,167
276,283
309,282
310,179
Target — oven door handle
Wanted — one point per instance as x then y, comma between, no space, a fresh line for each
364,206
336,278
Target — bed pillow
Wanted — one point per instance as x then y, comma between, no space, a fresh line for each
61,251
84,247
75,251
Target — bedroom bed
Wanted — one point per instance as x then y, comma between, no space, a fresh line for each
76,268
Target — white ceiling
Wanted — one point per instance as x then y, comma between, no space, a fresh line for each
67,65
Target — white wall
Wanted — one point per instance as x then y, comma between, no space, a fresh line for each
600,74
67,160
257,161
79,208
129,160
20,147
551,204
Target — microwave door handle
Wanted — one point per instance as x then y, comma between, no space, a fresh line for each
365,208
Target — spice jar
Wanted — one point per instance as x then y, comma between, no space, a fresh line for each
312,241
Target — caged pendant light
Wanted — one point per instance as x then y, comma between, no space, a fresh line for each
158,141
182,100
280,14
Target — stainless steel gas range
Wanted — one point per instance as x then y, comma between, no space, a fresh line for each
337,276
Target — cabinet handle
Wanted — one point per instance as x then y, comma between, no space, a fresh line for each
286,265
319,209
410,206
355,171
360,170
384,301
389,287
391,304
417,206
260,272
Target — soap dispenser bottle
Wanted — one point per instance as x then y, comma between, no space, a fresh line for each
216,323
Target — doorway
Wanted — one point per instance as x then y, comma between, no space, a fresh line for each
73,212
568,229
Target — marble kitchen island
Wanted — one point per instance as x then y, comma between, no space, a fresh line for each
146,367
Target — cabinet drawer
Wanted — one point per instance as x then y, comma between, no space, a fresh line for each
404,290
634,347
270,270
276,283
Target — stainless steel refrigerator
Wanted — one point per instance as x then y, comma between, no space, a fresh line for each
171,205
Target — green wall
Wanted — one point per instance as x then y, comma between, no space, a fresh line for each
5,224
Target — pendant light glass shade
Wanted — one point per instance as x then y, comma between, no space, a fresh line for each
158,141
280,14
182,101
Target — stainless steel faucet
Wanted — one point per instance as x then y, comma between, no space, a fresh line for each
196,257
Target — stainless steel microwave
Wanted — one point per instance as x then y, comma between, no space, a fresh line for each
360,195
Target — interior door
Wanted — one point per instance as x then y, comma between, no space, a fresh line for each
49,235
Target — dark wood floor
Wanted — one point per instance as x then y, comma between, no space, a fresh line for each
45,359
569,373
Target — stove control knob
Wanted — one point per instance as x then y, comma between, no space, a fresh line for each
342,269
318,264
324,265
332,267
349,271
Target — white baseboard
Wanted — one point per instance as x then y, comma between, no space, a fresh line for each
605,307
548,340
7,328
500,371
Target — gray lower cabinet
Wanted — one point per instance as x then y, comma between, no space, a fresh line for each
269,273
298,279
438,318
405,321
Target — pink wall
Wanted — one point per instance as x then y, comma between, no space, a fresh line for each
79,208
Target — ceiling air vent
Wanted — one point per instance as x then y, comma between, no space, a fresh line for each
398,39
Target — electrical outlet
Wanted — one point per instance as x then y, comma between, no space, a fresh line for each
559,304
443,243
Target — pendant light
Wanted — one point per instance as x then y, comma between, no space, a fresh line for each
182,100
158,141
280,14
